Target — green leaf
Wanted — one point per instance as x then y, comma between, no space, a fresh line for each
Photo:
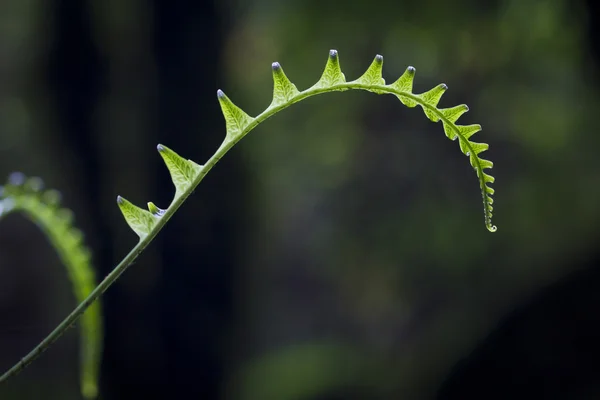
452,114
283,90
27,196
405,84
332,75
140,220
373,75
183,172
236,120
432,98
465,131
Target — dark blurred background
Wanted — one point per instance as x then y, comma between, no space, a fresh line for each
338,252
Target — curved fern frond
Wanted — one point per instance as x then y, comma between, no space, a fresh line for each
42,207
187,175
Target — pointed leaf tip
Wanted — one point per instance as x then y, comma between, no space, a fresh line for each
236,120
405,84
139,220
432,98
182,171
283,89
332,75
373,75
451,115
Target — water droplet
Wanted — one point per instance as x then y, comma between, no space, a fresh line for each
468,153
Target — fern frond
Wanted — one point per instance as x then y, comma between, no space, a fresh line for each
42,207
187,175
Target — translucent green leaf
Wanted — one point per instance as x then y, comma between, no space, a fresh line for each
283,89
236,120
465,131
488,179
432,98
452,114
183,172
405,84
469,148
332,75
485,164
373,75
141,221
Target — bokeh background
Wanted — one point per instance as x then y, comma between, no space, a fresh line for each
339,251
